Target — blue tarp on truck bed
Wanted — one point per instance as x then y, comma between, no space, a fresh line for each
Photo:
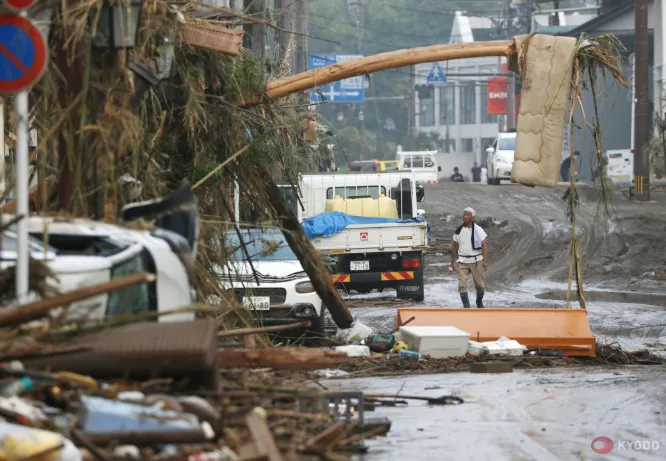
332,222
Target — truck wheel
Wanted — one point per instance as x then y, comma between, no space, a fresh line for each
316,334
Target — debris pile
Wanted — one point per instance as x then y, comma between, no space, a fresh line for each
167,391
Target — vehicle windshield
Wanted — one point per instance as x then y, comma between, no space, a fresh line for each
507,143
267,246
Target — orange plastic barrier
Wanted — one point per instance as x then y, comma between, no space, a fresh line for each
564,329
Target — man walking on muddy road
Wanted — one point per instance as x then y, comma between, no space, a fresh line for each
469,255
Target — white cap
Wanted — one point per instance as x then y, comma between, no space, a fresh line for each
469,210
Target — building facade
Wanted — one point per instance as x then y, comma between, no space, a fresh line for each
458,110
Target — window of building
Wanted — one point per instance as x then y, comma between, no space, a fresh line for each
447,105
427,106
467,145
468,103
485,116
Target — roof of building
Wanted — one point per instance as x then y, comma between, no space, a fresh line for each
603,19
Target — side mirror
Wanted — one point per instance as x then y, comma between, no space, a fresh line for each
439,168
490,151
420,194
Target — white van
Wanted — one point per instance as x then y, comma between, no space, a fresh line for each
422,163
621,167
500,157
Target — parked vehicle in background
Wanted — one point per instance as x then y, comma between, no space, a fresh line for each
422,163
620,167
283,293
82,252
500,156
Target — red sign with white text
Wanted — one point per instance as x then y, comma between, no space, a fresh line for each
497,95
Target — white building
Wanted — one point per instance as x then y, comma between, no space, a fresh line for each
458,111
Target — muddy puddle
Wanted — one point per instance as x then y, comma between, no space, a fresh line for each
539,415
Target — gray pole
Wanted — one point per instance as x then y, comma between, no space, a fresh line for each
511,81
361,51
641,118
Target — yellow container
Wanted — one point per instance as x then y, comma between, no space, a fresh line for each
388,208
355,207
370,207
336,204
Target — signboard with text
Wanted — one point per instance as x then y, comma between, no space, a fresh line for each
349,90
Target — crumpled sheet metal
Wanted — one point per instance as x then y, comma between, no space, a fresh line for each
544,64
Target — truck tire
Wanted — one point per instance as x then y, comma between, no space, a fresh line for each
316,334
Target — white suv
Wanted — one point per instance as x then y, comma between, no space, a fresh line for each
499,158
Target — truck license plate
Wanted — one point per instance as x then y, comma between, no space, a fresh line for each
359,265
258,303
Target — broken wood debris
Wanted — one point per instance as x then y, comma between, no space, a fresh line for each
282,358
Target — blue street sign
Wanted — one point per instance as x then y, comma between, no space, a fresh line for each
23,53
436,75
348,90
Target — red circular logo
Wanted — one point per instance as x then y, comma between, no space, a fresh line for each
602,445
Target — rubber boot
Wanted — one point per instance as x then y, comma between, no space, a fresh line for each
465,299
479,299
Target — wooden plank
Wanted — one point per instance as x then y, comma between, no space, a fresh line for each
281,358
263,438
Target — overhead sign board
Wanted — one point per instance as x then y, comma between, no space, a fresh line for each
436,75
349,90
23,53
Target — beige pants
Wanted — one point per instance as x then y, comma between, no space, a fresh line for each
464,270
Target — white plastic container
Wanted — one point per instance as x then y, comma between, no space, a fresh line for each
505,346
437,342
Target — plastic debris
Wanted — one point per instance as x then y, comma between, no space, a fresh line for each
354,351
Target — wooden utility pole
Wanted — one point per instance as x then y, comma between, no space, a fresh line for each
641,117
70,85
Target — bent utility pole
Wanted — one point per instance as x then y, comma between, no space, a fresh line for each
382,61
641,117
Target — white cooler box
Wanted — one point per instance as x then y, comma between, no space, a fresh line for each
437,342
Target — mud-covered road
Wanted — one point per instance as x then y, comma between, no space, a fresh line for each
623,251
528,415
537,414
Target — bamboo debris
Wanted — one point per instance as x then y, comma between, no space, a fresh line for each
281,358
382,61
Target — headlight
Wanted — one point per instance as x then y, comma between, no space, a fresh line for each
304,287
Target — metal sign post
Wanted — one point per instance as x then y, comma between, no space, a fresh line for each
23,55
